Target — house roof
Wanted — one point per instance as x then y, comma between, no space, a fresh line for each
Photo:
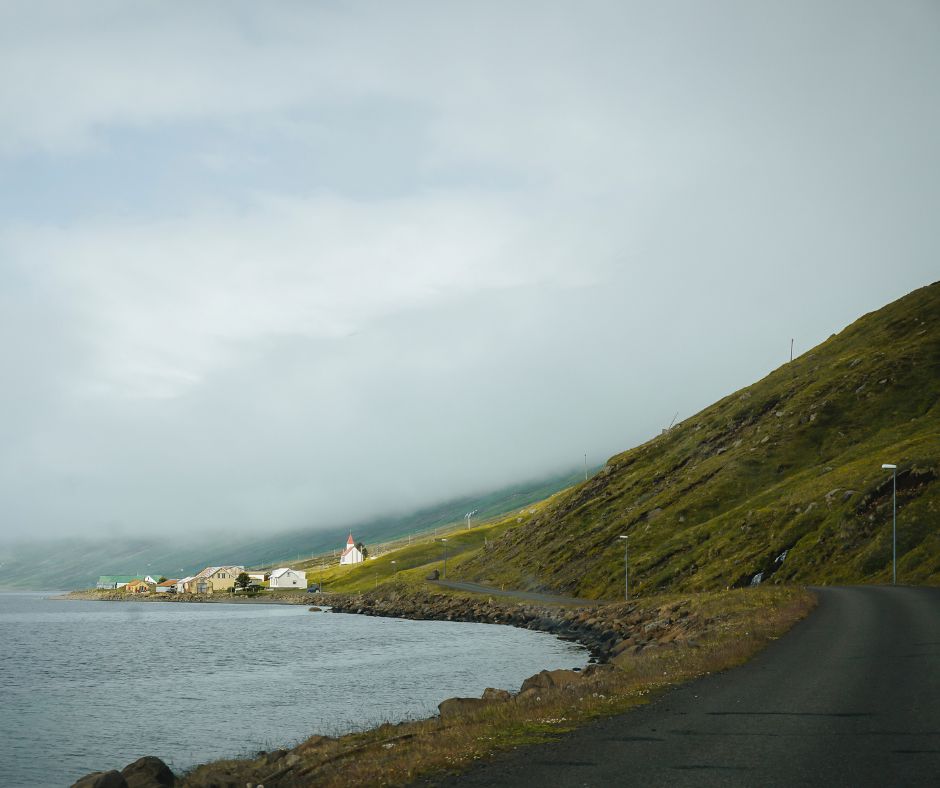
168,583
350,541
211,570
284,570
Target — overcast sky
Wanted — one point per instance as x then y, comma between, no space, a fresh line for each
281,264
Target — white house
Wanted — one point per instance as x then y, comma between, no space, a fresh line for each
287,578
352,554
181,584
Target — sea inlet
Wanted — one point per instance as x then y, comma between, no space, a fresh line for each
87,686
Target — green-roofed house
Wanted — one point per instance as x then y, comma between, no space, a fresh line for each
115,581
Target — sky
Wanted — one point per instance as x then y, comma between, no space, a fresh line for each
267,266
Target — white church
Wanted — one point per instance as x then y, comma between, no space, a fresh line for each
352,554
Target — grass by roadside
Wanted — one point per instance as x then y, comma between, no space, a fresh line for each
699,634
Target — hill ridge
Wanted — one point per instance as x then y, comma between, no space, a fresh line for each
788,466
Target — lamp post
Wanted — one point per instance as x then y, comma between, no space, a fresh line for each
444,544
626,569
894,520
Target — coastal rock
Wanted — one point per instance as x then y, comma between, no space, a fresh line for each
459,707
491,695
551,678
148,772
112,779
531,695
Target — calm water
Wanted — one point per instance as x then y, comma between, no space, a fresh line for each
95,685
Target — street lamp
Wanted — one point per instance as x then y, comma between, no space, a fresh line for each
444,543
894,521
626,569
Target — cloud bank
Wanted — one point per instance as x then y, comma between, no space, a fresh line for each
297,265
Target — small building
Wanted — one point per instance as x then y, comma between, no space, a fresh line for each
258,577
166,587
213,579
139,586
181,585
352,554
114,581
288,578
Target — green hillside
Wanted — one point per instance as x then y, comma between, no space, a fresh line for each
790,465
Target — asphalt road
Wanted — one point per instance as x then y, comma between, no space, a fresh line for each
849,697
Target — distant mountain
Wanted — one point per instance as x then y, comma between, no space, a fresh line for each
782,479
77,563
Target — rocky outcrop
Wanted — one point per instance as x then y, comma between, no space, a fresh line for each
112,779
460,707
606,630
146,772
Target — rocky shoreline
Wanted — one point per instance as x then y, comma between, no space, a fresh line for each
267,598
605,630
611,632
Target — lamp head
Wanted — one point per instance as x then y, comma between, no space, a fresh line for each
623,537
888,467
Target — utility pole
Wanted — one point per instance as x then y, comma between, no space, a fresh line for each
585,467
791,350
444,543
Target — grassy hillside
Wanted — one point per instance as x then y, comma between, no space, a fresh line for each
783,477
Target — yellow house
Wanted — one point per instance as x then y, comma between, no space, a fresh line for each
138,587
213,579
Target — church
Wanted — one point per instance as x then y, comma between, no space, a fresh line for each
352,554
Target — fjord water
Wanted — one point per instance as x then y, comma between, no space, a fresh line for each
88,686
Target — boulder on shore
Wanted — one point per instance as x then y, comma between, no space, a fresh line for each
551,678
148,772
458,707
112,779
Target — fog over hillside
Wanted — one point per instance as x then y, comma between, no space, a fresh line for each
281,267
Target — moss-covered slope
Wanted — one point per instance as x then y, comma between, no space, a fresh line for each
783,477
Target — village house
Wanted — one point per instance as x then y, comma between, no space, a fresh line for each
167,587
258,577
181,585
352,554
138,586
288,578
213,579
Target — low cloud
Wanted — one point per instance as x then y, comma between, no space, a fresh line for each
298,266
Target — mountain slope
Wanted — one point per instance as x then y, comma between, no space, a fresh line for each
783,477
